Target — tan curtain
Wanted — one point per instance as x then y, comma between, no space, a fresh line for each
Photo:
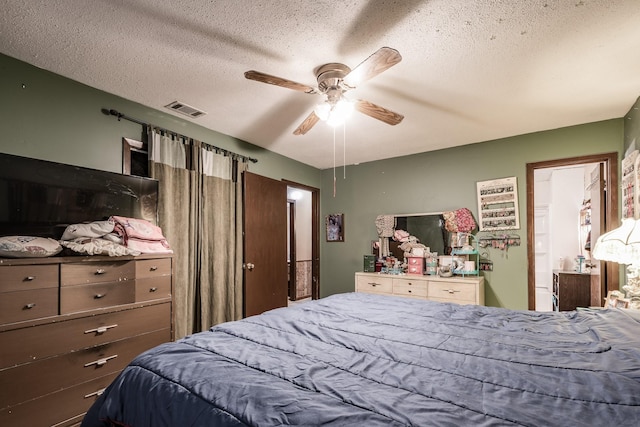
200,213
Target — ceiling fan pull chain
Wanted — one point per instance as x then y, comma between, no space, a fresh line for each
344,150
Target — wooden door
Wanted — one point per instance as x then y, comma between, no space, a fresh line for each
265,244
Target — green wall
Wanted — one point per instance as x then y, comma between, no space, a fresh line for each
49,117
446,180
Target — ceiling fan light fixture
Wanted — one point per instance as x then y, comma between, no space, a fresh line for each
323,110
336,113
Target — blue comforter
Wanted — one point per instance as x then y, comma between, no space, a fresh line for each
368,360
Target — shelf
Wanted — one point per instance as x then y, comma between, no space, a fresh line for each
468,252
461,252
466,273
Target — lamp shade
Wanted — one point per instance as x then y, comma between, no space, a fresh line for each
621,245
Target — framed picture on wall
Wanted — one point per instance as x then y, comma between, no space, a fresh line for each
335,227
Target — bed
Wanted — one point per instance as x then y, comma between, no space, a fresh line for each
360,359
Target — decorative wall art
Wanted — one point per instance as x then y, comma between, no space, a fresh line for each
498,204
335,227
629,185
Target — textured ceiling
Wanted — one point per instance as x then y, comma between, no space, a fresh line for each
472,70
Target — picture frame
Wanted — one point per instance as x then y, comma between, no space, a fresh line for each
334,224
615,299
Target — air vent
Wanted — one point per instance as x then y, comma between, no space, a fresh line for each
185,109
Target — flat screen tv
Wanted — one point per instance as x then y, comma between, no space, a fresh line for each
40,198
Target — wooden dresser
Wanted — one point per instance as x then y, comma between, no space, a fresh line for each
69,325
571,290
467,290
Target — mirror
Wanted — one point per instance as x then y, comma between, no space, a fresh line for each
428,228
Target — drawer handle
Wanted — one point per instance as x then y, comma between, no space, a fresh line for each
100,271
153,268
451,291
153,289
100,362
30,306
30,278
409,290
98,296
374,284
100,330
95,393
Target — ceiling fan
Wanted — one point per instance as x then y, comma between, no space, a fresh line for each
334,80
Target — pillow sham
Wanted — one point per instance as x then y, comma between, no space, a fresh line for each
28,247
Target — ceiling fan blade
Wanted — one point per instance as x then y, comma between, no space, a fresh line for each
307,124
383,59
377,112
278,81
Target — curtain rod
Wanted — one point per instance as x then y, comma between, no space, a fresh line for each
140,122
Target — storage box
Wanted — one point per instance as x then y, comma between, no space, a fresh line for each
415,265
369,263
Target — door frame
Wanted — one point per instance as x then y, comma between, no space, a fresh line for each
291,205
611,218
315,234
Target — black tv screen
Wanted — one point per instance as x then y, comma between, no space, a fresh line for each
40,198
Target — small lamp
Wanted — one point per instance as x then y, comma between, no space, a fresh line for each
622,245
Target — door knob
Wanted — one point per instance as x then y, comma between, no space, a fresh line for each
249,266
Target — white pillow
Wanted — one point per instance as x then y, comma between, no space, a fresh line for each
28,247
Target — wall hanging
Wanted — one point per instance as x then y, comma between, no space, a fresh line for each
498,204
502,242
485,263
629,184
335,227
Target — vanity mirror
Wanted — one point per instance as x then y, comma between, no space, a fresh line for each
428,228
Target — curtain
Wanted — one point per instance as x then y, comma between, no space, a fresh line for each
200,213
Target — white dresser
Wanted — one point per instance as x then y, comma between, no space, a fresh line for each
460,290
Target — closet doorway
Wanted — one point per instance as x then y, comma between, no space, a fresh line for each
599,188
303,242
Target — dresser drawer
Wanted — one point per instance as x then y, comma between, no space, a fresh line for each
96,295
26,277
60,406
375,284
153,288
48,375
462,293
23,345
153,267
26,305
410,287
96,272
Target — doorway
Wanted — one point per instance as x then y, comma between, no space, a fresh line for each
303,246
539,221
